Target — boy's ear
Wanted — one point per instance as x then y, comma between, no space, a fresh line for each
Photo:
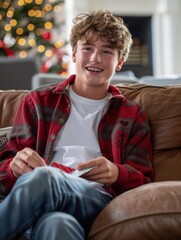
74,56
119,65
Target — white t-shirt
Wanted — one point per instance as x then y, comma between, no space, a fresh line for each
77,141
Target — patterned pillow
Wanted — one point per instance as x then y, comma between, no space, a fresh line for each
4,136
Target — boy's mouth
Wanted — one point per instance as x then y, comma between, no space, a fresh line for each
94,69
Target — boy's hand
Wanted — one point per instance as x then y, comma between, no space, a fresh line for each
25,161
104,171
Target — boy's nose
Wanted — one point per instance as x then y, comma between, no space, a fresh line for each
96,58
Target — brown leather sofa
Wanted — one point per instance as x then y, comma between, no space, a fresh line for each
152,211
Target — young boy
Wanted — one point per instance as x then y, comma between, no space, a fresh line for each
82,123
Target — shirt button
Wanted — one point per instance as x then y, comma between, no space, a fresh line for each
61,120
53,136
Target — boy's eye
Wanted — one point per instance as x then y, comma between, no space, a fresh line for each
107,51
87,48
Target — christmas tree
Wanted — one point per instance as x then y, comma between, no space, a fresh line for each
30,28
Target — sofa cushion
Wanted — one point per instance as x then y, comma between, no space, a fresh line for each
9,101
152,211
162,105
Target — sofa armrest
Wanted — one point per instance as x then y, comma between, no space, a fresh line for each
152,211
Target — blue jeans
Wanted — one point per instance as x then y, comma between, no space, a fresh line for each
48,204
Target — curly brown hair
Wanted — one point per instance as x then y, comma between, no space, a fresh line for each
105,25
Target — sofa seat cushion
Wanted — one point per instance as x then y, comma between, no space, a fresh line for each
152,211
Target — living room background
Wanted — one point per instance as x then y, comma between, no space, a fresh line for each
165,19
159,55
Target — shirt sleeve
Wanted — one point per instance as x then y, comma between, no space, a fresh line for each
136,167
19,138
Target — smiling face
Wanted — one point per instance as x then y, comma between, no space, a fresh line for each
96,62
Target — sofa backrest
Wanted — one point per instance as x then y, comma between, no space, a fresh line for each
9,100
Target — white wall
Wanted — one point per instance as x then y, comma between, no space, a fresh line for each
167,38
166,26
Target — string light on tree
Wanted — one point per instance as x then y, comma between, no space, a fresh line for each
28,27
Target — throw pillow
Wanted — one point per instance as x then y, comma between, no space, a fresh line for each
4,136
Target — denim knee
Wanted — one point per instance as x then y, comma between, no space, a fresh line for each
40,182
39,176
44,172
